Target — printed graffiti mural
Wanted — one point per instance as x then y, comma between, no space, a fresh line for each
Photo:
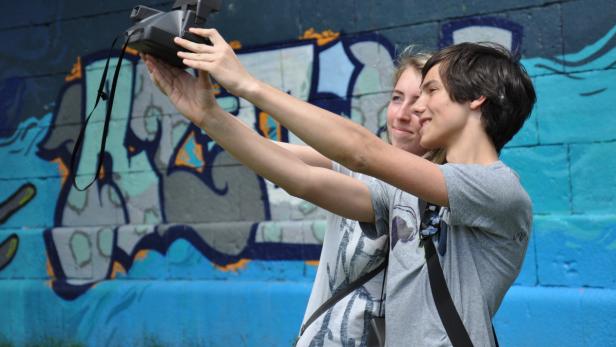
16,201
163,179
23,195
8,249
483,29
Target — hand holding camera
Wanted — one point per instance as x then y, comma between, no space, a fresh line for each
218,59
154,30
161,34
192,96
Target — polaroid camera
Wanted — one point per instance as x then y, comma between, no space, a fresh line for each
154,30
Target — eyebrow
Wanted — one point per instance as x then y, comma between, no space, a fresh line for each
415,96
428,84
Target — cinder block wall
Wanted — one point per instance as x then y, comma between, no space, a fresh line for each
177,244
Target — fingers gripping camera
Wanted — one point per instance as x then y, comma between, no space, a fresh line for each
154,30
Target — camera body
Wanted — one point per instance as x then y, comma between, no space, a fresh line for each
154,30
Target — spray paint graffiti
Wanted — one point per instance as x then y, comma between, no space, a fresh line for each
483,29
8,249
23,195
15,202
166,199
163,179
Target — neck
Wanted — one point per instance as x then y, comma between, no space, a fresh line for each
472,145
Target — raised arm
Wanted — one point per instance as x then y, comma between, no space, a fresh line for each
337,138
194,98
307,154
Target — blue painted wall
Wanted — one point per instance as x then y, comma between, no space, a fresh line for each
177,244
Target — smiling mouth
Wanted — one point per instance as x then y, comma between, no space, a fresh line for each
424,121
403,131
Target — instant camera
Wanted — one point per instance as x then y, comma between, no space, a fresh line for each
154,30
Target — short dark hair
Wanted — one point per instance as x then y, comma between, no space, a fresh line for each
470,70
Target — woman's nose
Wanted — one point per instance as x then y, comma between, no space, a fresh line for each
405,113
419,106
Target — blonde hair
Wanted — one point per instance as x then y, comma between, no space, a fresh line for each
437,156
407,58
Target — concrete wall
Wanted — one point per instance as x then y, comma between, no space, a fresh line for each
177,244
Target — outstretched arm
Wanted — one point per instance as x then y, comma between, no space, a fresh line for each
193,96
337,138
307,154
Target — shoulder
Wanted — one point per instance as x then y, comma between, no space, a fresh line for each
493,188
496,176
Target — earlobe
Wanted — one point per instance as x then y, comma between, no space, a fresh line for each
476,104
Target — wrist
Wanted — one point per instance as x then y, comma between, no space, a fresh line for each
250,89
208,117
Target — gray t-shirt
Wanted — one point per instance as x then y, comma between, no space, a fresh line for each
347,254
481,252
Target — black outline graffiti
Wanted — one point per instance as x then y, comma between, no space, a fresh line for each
15,202
165,234
8,249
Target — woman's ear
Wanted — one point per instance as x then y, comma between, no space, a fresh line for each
476,104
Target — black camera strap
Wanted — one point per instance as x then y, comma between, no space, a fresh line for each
109,98
440,293
339,295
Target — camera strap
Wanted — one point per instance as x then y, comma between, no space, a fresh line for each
440,292
339,295
109,99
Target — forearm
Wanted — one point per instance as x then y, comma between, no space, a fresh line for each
257,153
306,154
338,138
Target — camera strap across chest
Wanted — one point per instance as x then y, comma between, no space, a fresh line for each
458,336
339,295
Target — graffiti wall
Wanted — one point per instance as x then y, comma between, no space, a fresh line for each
175,243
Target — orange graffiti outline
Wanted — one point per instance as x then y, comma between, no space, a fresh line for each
182,159
62,168
265,128
117,268
235,44
132,51
75,71
322,38
141,255
234,267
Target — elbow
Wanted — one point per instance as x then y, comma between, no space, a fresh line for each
304,186
300,187
358,159
297,190
359,162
